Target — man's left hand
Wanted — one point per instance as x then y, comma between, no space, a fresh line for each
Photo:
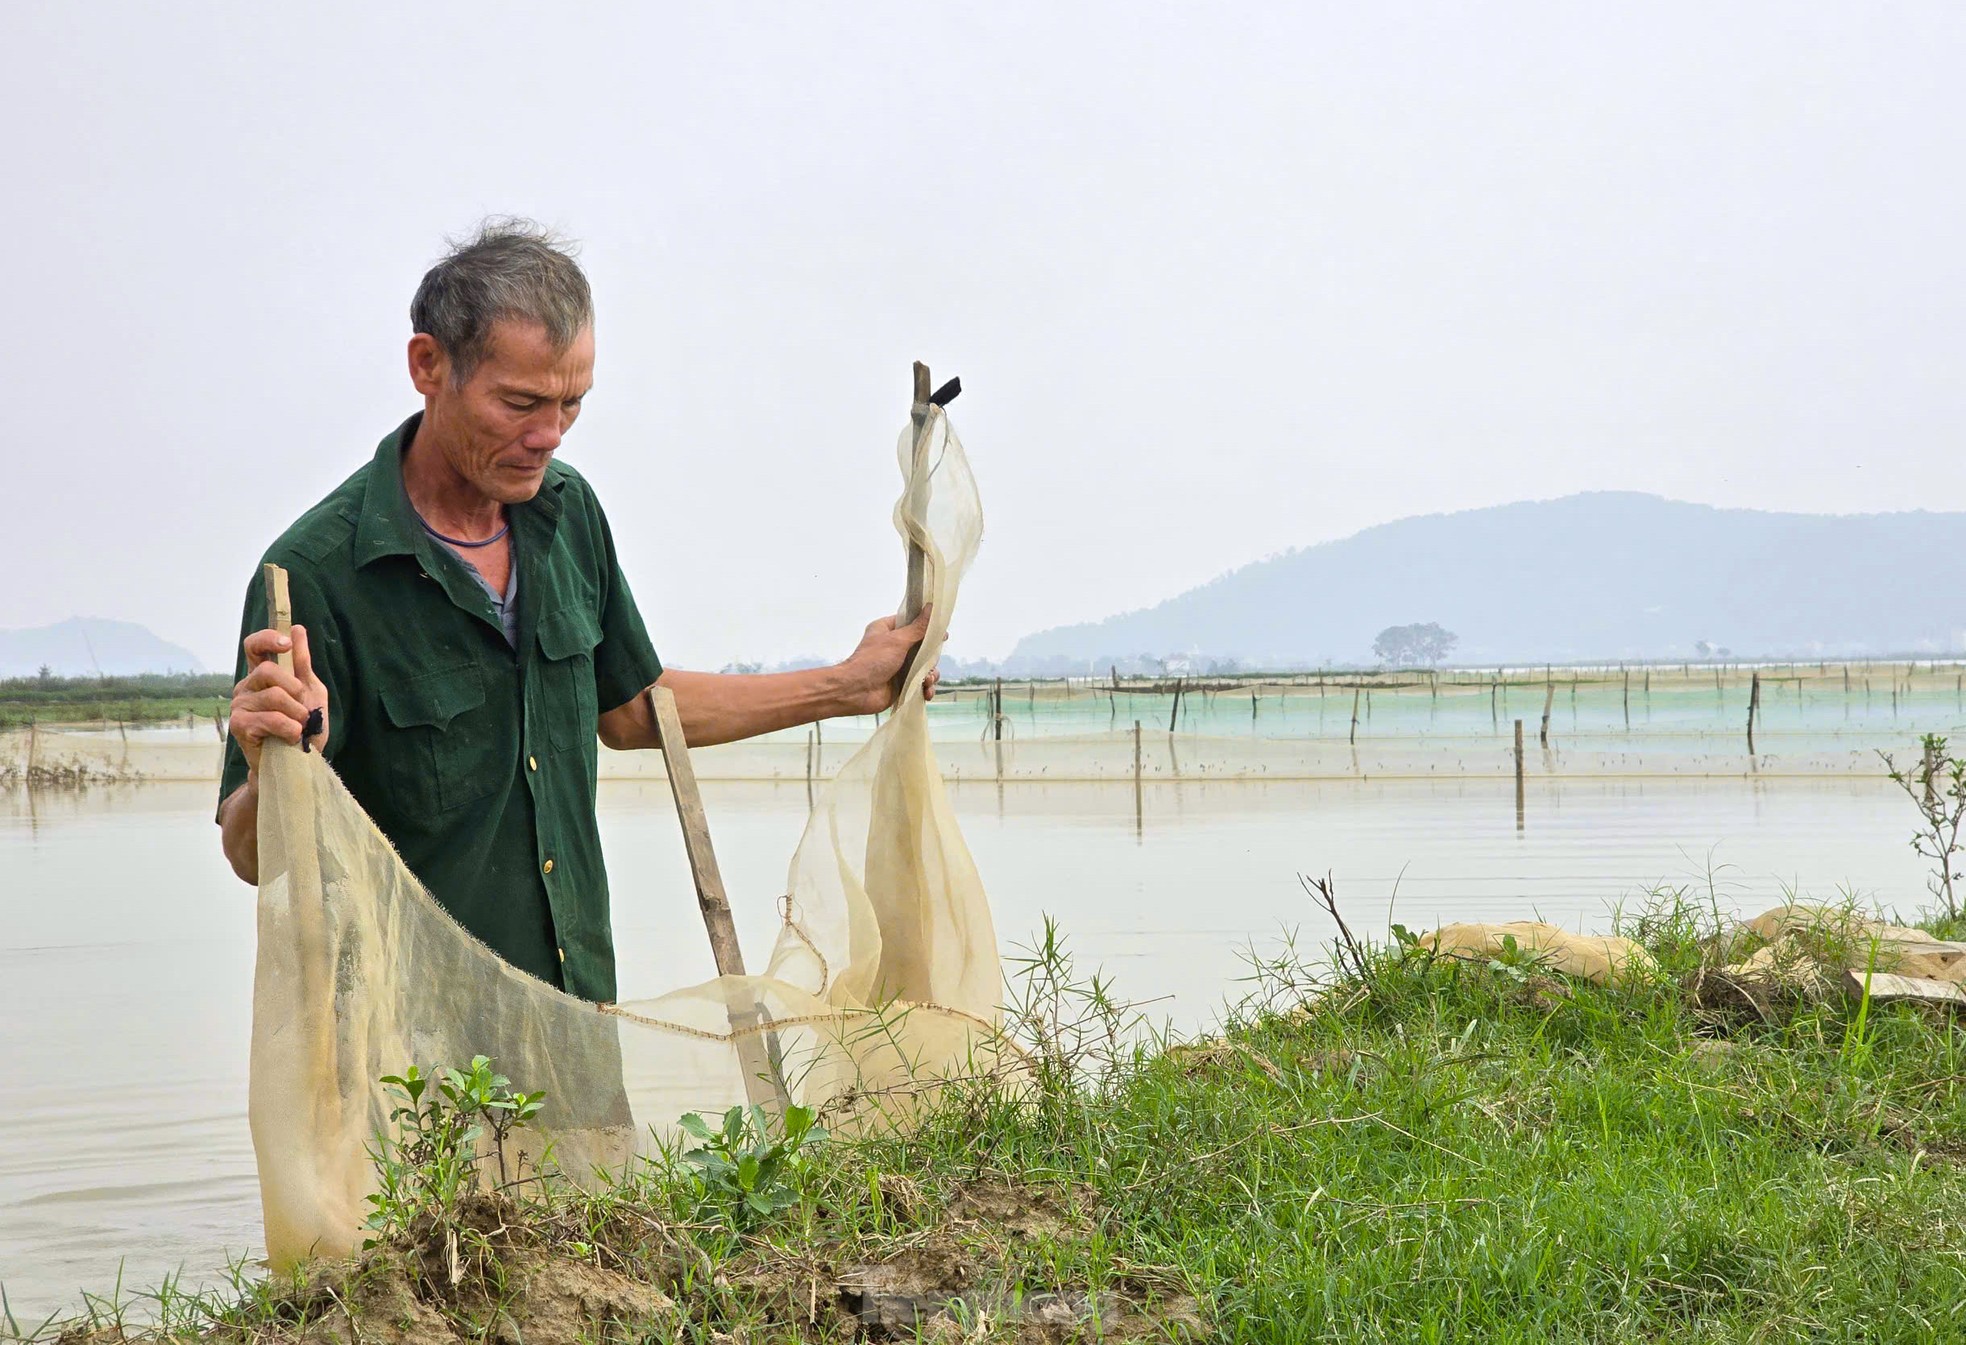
882,654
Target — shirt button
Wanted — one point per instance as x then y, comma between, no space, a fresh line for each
532,763
547,867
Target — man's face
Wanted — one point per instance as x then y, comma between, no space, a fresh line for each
501,428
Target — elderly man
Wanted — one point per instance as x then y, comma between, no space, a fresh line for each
465,630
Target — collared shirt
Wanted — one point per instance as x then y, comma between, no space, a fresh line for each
476,760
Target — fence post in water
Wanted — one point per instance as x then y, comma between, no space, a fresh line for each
1494,710
1754,707
1549,699
1138,814
996,711
1354,738
33,746
1175,713
1518,775
1628,700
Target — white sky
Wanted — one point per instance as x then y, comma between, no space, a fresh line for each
1219,280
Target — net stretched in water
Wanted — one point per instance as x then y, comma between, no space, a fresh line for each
884,977
1648,720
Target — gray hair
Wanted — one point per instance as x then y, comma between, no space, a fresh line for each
510,268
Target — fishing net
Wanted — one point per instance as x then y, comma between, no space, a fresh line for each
884,977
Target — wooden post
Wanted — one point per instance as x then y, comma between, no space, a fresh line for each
310,919
1354,738
1754,707
1494,709
1518,775
1139,813
1549,699
996,710
1175,713
1628,700
915,594
763,1083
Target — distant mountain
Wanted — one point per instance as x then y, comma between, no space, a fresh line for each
1607,575
86,646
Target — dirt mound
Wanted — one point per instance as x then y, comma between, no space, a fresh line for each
969,1276
483,1273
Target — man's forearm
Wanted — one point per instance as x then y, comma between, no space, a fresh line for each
238,821
725,707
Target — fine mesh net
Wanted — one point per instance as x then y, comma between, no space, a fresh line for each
884,978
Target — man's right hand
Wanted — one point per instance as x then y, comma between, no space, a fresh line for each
272,702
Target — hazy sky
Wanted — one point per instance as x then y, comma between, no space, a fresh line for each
1219,280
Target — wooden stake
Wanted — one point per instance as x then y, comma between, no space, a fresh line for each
279,609
763,1083
1518,776
1754,707
916,592
1139,813
1549,699
1354,738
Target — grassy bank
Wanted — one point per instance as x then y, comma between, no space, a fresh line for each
1412,1150
149,699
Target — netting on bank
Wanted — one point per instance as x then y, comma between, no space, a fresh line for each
1645,720
885,973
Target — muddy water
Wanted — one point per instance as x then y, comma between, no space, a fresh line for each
126,946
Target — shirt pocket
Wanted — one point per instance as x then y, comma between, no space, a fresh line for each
567,638
449,759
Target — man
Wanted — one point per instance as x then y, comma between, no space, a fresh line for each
463,627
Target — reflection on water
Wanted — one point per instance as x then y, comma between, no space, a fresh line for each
126,946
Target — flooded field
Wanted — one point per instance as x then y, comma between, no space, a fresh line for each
1673,720
126,946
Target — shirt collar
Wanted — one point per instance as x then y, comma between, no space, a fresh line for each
388,525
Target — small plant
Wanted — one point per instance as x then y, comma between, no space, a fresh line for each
1514,961
741,1170
433,1159
1937,786
1076,1030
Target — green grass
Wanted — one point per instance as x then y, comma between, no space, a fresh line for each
152,698
1427,1151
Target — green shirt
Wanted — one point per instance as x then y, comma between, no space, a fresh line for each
475,759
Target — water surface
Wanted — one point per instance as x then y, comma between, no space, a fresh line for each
126,946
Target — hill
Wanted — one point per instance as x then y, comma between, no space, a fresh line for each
90,646
1606,575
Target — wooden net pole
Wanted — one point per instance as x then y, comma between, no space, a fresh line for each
764,1080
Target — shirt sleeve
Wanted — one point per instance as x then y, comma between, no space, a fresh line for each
625,664
324,647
